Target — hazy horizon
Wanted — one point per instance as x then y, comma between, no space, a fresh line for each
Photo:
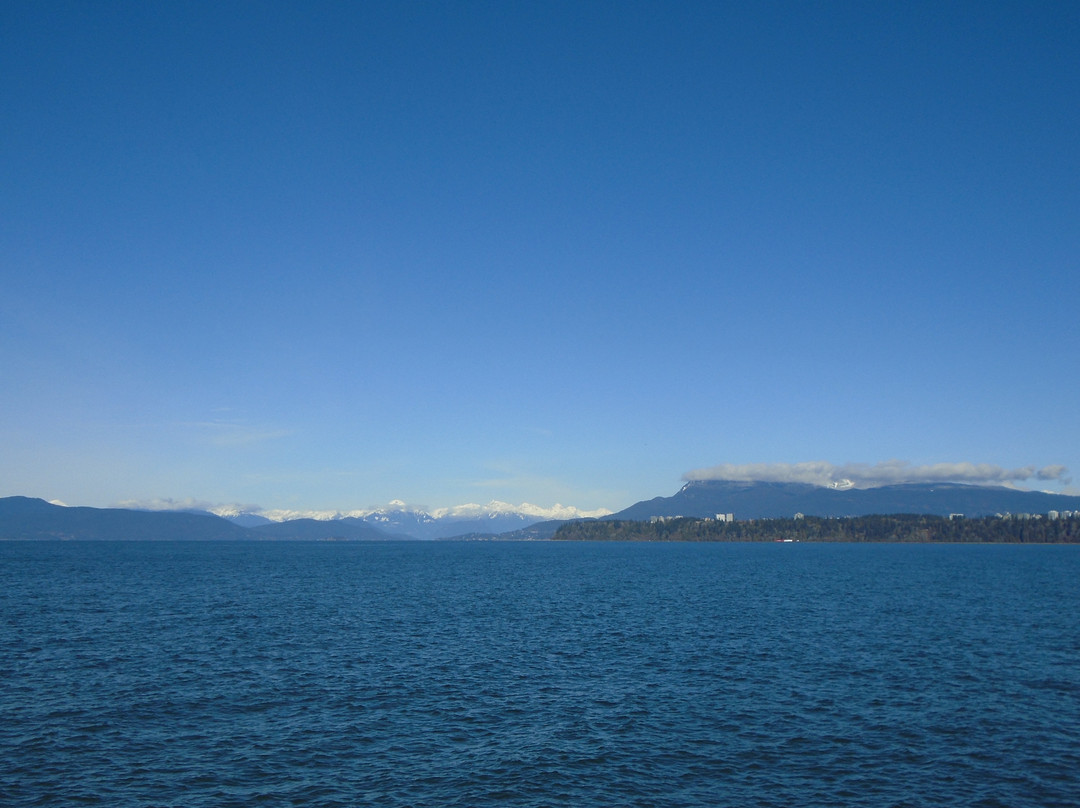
821,474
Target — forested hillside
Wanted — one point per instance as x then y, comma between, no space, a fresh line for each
901,528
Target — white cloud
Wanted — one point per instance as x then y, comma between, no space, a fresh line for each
891,472
232,509
186,504
557,511
466,511
287,515
1056,472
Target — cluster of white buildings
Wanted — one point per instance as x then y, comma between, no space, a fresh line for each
720,517
730,517
1049,515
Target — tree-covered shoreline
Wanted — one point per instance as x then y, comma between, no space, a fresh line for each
894,528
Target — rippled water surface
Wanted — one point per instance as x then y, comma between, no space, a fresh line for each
545,674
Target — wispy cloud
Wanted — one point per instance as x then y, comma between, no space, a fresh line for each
232,509
186,504
235,434
890,472
557,511
470,510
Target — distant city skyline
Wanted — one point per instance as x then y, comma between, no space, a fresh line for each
327,256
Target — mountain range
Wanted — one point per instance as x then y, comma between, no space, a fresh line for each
27,518
33,519
399,520
774,500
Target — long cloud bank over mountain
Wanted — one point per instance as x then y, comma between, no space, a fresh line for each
459,512
891,472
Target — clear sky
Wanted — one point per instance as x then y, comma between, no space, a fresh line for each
325,255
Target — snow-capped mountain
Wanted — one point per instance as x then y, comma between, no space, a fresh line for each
398,518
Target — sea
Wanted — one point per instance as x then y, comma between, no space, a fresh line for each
538,674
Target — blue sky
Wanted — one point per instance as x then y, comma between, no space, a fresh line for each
326,255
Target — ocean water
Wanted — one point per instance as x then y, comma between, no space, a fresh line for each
538,674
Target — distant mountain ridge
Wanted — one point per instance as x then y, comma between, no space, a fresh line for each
398,519
35,519
772,500
320,530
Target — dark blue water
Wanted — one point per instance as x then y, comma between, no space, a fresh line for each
548,674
